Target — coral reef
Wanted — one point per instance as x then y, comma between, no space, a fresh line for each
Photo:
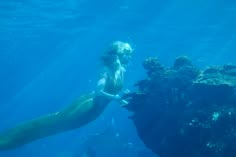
182,111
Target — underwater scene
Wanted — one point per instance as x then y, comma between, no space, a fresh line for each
89,78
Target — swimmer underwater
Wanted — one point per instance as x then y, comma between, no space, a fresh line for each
84,110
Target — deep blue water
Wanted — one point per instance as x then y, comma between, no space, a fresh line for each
49,54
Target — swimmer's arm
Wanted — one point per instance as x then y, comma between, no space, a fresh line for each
100,90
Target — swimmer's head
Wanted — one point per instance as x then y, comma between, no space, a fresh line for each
122,50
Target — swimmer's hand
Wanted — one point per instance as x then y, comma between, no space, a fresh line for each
120,100
126,91
123,103
117,97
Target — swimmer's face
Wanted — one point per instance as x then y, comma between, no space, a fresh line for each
125,58
123,50
125,53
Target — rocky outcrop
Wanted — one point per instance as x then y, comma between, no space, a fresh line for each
182,111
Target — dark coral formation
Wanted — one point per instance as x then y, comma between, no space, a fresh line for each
185,112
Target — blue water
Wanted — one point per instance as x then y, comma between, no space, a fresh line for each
49,54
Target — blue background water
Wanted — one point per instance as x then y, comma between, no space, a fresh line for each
49,54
